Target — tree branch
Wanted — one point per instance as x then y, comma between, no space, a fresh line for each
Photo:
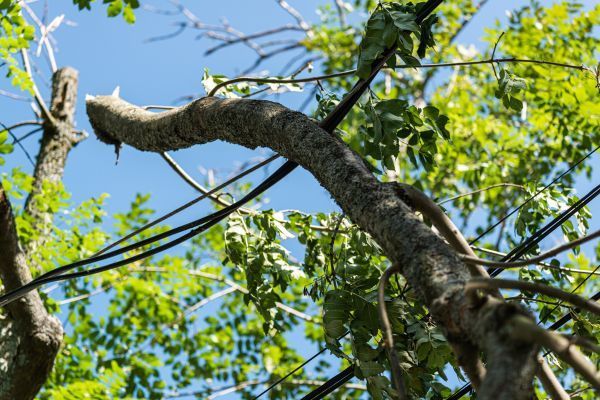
532,260
297,16
431,267
388,334
211,194
349,72
57,141
542,264
526,330
476,284
36,93
485,189
235,286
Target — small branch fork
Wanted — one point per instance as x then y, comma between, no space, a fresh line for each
533,260
524,329
486,284
229,36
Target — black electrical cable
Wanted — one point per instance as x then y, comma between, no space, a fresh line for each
200,225
331,385
559,177
528,244
540,234
292,372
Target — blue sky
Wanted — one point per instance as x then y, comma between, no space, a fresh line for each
108,52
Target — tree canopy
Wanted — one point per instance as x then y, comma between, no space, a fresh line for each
498,135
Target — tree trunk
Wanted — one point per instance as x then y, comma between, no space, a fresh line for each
30,338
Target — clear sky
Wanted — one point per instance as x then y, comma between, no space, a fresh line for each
108,52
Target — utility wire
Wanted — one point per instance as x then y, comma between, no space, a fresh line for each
331,121
537,237
517,252
292,372
531,242
199,225
328,124
568,171
331,385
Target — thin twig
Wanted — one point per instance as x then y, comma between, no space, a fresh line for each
388,334
479,191
13,96
352,71
550,383
478,284
36,93
214,196
44,34
533,260
232,41
542,264
339,5
524,329
494,53
231,284
331,247
297,16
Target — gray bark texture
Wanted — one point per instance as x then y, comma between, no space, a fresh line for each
30,338
427,262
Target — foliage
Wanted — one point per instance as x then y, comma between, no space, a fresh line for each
233,306
114,8
15,35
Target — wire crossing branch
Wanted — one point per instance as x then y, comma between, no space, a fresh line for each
30,337
428,263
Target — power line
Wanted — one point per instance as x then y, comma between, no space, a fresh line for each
199,225
292,372
537,237
568,171
328,124
523,248
532,242
331,385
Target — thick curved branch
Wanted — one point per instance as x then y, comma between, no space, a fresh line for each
431,267
467,352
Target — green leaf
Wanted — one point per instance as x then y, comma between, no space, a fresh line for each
114,8
128,14
370,368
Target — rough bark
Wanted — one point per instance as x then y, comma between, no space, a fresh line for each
58,139
30,338
431,267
